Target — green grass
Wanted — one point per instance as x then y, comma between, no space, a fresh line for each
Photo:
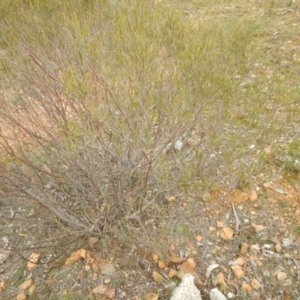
288,157
297,230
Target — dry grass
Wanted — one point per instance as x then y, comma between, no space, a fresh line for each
96,117
97,96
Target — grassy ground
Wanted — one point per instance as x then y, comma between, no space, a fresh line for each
109,108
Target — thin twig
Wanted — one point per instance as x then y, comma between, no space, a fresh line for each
237,220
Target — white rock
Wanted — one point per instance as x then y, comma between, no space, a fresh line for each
186,290
178,145
215,294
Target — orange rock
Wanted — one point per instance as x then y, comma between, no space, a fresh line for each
95,268
162,264
281,275
3,284
157,277
172,273
255,284
188,266
259,263
34,259
243,248
247,288
110,294
26,284
199,238
151,296
155,257
32,290
219,224
240,261
175,259
221,281
237,271
21,296
253,196
226,233
172,198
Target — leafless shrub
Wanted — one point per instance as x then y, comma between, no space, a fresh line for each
96,129
91,161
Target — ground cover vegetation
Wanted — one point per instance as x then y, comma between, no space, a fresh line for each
110,110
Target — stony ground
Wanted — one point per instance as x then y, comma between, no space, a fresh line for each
260,261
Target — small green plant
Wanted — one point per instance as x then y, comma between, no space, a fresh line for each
182,230
294,149
289,158
67,296
18,277
297,230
